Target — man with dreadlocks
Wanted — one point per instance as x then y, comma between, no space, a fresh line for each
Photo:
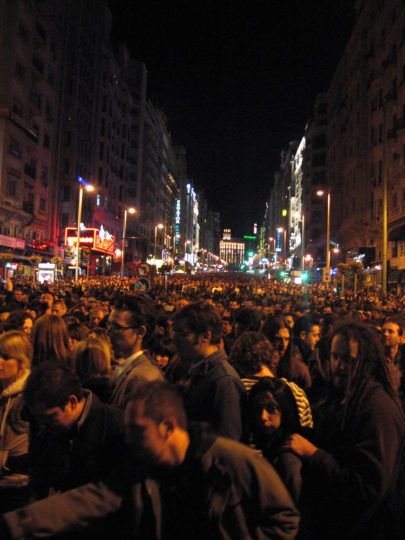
351,476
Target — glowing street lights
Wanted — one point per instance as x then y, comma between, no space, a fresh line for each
124,232
88,187
283,230
158,226
320,193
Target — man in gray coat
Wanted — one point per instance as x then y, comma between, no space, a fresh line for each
131,325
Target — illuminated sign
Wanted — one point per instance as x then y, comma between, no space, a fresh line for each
95,239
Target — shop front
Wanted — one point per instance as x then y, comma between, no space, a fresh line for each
96,251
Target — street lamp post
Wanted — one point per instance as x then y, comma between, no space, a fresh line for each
88,187
124,232
158,226
320,193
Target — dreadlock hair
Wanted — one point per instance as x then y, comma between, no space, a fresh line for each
371,364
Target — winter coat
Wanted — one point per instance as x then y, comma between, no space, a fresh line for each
214,395
13,428
352,480
142,369
238,493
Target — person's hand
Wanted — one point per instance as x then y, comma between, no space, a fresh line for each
300,446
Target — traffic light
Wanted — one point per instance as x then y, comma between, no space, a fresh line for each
304,276
282,273
250,253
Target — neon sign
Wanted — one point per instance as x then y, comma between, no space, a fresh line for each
91,238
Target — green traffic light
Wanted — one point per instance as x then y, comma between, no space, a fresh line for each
282,273
304,276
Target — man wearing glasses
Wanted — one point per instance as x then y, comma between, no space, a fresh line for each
130,326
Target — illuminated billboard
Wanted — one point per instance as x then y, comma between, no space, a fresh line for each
97,240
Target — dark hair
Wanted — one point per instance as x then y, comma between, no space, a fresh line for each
395,319
160,400
76,329
201,317
51,385
304,324
250,352
371,363
278,394
272,324
16,320
142,313
249,320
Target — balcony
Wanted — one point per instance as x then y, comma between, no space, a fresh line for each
28,207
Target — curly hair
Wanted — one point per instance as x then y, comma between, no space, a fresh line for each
250,352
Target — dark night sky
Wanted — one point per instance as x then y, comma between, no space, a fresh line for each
237,81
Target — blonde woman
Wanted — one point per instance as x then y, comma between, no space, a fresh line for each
15,362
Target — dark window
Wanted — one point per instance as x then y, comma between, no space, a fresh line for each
15,148
65,193
19,71
38,63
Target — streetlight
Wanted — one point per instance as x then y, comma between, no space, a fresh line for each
320,193
158,226
88,187
280,230
185,247
124,232
302,216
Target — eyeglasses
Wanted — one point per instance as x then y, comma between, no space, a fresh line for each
113,327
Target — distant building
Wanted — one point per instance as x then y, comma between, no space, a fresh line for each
231,250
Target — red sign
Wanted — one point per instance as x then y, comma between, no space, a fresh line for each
95,239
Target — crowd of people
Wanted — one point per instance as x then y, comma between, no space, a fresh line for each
212,406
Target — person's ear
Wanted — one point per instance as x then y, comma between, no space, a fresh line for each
72,401
168,426
303,335
141,330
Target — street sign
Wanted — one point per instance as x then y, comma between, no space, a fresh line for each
326,274
143,285
144,269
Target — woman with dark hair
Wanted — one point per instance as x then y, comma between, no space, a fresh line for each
290,365
254,358
353,467
50,341
273,416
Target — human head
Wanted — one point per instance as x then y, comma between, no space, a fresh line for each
392,332
307,330
15,356
276,331
50,340
131,323
54,394
267,398
250,352
18,295
247,319
156,424
92,358
59,308
196,326
19,320
356,356
96,316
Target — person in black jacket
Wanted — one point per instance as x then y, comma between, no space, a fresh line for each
78,437
353,467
